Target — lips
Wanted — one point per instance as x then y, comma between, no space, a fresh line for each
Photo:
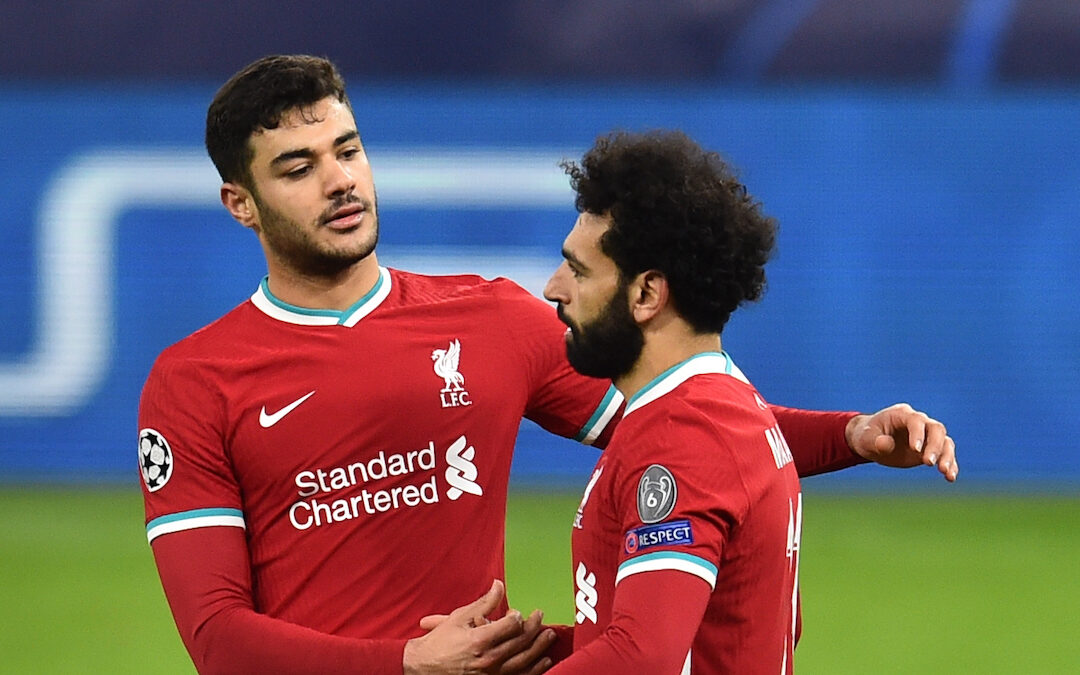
346,217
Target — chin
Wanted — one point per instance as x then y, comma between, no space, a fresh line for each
360,245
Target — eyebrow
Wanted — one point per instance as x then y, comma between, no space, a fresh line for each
307,153
573,259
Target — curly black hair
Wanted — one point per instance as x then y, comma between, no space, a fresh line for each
258,97
678,209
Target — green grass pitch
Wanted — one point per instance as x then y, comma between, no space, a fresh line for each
890,584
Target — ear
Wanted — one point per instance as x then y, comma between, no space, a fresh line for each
649,295
240,203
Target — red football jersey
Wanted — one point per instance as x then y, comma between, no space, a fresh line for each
696,478
366,452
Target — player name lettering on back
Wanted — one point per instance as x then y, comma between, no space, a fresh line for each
343,493
778,444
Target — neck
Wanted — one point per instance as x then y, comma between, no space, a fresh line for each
336,291
663,349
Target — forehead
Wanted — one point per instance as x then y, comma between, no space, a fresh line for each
305,127
583,242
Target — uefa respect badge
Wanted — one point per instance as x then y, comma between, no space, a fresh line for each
671,533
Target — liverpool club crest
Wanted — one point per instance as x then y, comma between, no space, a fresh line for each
446,363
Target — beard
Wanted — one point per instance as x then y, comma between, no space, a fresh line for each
297,246
607,346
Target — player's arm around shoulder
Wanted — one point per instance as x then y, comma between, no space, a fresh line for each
897,436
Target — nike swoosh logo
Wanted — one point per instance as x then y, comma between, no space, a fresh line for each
267,421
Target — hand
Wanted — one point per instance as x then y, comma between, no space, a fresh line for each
901,437
465,642
526,652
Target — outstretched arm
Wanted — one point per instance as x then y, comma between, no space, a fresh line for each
817,439
897,436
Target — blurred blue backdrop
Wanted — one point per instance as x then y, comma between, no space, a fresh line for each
927,204
924,251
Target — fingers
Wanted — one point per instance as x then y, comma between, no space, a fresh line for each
490,600
540,666
465,640
472,613
947,464
486,641
431,621
884,443
525,653
929,436
915,423
933,440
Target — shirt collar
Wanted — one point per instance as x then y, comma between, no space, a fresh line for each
665,382
283,311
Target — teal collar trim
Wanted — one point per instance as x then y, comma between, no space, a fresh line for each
283,311
665,382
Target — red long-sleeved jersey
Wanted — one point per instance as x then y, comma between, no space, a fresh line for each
317,481
686,544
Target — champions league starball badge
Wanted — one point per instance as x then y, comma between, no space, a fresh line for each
656,494
155,459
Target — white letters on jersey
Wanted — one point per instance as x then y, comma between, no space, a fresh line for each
794,536
780,450
585,598
461,472
585,497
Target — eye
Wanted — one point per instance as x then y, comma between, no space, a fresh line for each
350,153
299,172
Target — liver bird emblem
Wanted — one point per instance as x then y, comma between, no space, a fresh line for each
446,366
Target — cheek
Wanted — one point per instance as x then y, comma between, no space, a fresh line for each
297,209
364,177
589,301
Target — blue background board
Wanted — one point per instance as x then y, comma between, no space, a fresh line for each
925,252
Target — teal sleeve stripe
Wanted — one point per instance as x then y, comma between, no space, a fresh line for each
597,415
662,556
195,513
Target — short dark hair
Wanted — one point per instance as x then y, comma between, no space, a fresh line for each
258,97
678,209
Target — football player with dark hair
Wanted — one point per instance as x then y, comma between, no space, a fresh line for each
333,477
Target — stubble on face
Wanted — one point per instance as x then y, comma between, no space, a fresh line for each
608,345
297,246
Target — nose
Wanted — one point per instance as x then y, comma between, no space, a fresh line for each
555,289
339,179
